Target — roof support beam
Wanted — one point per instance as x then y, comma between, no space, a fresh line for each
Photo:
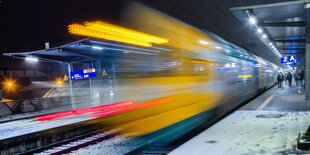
290,40
284,24
298,48
286,53
77,53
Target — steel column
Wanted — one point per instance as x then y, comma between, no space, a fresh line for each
307,53
91,85
71,86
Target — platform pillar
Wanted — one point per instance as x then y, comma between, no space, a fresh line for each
71,86
307,52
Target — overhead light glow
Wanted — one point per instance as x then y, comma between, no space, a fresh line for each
270,44
259,30
264,36
97,48
203,42
227,50
252,20
32,59
217,47
103,30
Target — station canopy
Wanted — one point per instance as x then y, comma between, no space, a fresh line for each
85,50
283,25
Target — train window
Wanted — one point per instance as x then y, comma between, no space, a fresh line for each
147,66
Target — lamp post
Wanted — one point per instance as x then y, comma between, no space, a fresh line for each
1,83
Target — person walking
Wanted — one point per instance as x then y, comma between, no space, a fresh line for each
279,80
289,79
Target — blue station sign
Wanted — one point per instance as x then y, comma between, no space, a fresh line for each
288,59
83,74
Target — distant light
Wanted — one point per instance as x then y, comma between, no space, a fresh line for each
227,65
227,50
218,47
32,59
270,44
252,20
203,42
9,85
59,82
97,48
241,55
111,93
259,30
264,36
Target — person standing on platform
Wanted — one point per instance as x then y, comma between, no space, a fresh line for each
279,79
289,79
301,78
296,78
282,79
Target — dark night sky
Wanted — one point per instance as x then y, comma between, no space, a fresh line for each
27,24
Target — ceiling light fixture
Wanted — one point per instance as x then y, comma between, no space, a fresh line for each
259,30
264,36
252,20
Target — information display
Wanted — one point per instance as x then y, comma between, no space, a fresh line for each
288,59
83,74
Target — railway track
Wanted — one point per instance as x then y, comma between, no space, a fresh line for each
66,146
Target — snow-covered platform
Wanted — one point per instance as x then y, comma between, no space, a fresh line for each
267,125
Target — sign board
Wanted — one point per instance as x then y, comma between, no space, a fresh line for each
66,78
83,74
104,73
288,59
291,63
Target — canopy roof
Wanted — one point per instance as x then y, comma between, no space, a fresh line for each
85,50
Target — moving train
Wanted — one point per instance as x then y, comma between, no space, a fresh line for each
167,89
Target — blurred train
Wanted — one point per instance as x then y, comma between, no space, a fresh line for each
177,85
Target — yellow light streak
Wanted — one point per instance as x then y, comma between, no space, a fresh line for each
244,76
200,62
108,31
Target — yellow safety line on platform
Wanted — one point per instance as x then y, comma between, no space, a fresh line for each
262,106
47,93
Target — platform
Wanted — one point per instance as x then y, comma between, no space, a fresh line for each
268,124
